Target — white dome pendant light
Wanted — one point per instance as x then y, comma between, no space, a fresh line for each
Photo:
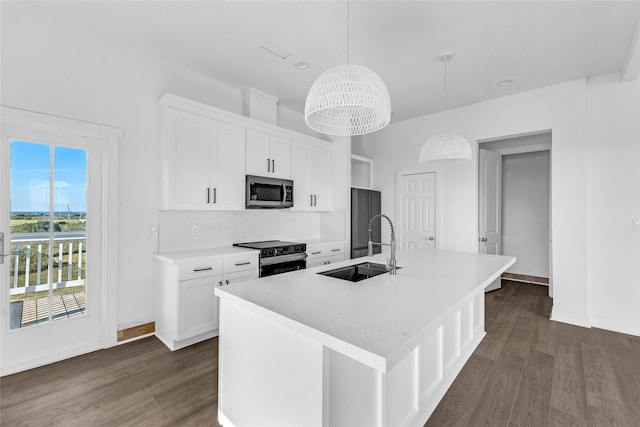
347,100
446,145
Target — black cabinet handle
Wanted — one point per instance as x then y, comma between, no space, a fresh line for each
208,195
273,166
335,250
268,165
242,263
215,195
203,269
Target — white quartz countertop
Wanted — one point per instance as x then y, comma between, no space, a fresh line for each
378,320
176,257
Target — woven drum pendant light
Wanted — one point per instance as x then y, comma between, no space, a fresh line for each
348,100
445,146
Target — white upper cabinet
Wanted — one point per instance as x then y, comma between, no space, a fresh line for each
312,177
205,163
268,155
208,151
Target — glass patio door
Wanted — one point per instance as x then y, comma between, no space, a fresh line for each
48,237
58,215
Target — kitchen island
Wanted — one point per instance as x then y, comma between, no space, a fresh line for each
304,349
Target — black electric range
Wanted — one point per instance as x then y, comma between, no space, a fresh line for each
277,256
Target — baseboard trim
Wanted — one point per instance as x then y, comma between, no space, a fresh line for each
526,278
615,326
50,358
136,331
570,318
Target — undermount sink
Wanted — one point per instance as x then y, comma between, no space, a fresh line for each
357,272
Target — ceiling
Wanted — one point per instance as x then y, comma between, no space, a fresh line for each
535,43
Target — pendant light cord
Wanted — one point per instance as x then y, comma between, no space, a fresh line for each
445,58
348,19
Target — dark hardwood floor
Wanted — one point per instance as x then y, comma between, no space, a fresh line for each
528,371
141,383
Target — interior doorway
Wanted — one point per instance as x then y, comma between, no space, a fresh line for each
514,205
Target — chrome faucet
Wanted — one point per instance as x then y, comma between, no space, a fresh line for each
391,262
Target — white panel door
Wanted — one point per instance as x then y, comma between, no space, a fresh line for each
490,206
228,177
418,209
489,199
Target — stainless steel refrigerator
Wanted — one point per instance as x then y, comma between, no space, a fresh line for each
364,205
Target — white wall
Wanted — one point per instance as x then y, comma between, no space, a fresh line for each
59,70
613,184
579,264
525,211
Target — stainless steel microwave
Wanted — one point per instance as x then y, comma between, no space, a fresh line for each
264,192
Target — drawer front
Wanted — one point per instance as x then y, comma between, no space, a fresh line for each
315,251
200,268
335,249
240,263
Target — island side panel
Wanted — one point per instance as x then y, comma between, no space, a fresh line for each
408,394
268,374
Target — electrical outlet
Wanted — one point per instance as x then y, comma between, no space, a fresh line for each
153,232
635,224
195,230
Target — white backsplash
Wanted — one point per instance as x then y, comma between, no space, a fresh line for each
223,228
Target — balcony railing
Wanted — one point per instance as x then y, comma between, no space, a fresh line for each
30,266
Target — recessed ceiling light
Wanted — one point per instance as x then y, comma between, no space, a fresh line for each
302,65
506,82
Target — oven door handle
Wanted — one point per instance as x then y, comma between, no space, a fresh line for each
283,258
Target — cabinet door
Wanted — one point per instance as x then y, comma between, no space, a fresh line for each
188,160
228,181
322,179
259,159
197,306
281,155
301,173
268,155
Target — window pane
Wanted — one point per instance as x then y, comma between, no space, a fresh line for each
30,176
69,231
48,241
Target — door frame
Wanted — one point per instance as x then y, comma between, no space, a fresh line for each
106,137
518,149
398,203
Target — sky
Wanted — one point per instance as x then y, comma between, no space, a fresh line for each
30,178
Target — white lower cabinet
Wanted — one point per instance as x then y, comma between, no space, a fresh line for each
197,307
325,253
187,308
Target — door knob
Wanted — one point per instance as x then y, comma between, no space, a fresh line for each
483,239
431,238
